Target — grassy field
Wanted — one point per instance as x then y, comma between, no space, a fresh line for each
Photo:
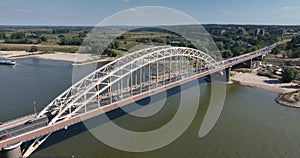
56,39
69,39
41,47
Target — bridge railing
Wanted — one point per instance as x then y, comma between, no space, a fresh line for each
256,53
13,122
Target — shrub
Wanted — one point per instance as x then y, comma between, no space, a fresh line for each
33,49
289,74
267,74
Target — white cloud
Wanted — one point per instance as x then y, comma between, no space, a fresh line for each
287,8
125,0
62,14
224,10
23,11
59,14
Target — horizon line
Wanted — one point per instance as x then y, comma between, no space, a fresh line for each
75,25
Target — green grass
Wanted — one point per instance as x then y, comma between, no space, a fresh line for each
50,36
266,73
52,43
12,49
243,70
119,52
66,50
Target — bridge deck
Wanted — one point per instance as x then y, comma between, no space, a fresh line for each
15,122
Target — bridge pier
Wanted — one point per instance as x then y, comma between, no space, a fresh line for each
227,73
246,64
222,76
249,63
262,57
11,152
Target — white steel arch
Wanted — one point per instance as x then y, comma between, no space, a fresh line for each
76,98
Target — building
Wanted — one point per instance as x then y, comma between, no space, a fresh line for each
260,32
278,32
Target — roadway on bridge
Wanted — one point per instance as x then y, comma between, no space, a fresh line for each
29,125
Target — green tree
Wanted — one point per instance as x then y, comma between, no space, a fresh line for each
289,74
297,53
275,51
44,39
238,50
2,35
110,52
290,54
60,31
17,35
33,49
227,54
253,48
121,37
71,41
115,45
220,46
82,34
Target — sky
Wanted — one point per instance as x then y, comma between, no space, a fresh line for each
91,12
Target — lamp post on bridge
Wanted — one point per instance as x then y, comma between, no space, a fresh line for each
34,108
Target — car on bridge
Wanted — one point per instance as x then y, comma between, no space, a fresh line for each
5,137
28,122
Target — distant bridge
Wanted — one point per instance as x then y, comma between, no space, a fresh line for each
125,80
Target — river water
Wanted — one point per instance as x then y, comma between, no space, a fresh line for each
251,124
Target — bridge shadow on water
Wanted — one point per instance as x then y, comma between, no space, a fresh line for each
94,122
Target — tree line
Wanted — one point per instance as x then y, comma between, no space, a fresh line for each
23,38
290,49
237,45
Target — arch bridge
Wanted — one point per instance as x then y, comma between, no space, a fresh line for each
125,80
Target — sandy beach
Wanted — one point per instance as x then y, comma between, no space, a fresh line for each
73,57
14,54
251,79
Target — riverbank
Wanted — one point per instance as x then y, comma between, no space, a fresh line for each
253,80
291,99
289,92
78,59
